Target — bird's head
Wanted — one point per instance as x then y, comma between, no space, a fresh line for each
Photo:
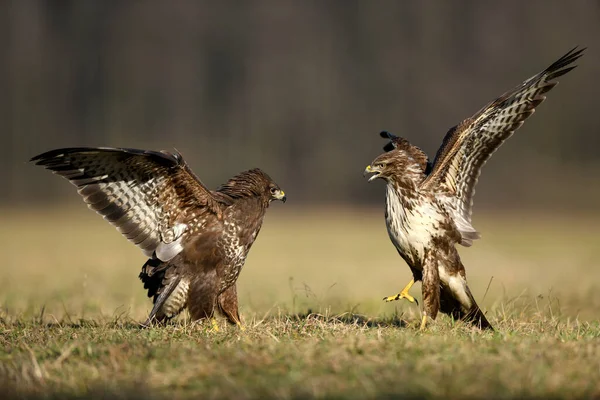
276,193
394,167
253,183
385,166
400,161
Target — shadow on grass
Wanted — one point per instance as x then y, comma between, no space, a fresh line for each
350,318
70,324
347,318
10,392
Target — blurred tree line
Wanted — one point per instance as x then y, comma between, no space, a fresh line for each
299,88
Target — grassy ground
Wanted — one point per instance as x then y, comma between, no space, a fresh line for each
310,297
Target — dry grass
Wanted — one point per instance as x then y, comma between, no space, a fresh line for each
70,303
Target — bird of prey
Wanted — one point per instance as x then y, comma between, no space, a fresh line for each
196,239
428,205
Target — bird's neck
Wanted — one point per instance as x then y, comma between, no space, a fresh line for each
251,209
400,196
405,186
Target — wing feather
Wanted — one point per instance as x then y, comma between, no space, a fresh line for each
146,195
396,142
467,146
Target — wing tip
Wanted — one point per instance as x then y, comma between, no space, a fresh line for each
45,157
50,156
563,64
387,135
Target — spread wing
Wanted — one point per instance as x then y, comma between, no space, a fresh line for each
148,196
467,146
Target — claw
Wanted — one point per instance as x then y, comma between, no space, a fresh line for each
240,326
401,296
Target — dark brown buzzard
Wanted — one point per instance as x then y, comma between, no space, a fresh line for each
428,206
197,239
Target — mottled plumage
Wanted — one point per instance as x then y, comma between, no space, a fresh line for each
197,239
428,205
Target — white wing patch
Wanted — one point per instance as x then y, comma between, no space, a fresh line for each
171,245
122,204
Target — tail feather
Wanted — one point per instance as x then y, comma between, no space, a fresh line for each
159,302
162,281
475,315
450,305
477,318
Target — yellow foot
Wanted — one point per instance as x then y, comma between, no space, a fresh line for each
401,295
214,325
423,323
239,324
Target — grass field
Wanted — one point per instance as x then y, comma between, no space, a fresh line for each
316,327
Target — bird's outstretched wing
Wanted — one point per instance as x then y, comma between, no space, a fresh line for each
467,146
148,196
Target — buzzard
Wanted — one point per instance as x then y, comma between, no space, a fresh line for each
196,239
428,205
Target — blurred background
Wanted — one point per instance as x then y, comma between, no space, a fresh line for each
301,89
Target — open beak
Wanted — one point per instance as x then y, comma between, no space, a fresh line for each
280,195
372,170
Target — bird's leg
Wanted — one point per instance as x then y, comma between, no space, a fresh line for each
423,322
430,288
228,306
403,294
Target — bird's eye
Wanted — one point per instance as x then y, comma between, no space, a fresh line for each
273,190
379,165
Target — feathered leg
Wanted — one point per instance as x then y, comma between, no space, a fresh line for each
228,305
431,288
202,299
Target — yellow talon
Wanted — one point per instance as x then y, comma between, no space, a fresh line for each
423,323
403,294
214,325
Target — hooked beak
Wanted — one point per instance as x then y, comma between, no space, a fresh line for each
280,195
372,170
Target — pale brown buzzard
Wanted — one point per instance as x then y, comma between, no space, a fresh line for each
428,206
197,239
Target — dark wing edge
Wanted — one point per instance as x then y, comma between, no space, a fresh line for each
398,142
165,157
467,146
145,194
393,140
